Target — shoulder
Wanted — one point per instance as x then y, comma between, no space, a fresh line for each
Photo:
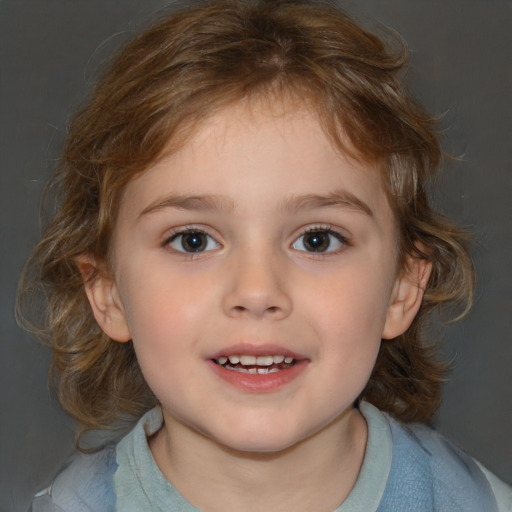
89,482
433,474
85,485
502,491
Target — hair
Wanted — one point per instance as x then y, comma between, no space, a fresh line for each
159,87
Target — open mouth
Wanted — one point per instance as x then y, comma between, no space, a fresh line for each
256,364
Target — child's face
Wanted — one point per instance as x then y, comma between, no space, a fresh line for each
257,239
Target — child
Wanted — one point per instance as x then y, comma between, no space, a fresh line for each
244,257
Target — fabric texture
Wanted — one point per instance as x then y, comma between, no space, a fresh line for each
405,468
86,485
429,473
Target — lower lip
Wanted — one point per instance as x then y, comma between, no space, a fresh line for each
259,383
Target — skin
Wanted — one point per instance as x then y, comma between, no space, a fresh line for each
269,175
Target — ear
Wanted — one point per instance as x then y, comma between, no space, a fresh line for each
104,299
407,296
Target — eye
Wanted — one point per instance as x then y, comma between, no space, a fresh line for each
319,240
191,241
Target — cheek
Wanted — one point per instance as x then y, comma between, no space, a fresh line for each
167,318
166,325
165,303
354,305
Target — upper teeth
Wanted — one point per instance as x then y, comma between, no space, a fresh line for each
255,360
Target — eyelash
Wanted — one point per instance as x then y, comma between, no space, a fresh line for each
181,232
324,230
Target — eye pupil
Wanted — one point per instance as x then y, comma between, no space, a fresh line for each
194,242
316,241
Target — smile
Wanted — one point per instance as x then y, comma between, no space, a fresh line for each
256,364
258,368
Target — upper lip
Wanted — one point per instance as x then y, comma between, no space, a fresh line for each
250,349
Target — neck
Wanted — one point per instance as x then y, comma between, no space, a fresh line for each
316,474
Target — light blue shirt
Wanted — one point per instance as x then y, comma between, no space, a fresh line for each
405,468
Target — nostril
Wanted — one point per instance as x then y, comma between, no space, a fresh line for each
242,309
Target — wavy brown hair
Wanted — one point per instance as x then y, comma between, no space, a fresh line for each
188,65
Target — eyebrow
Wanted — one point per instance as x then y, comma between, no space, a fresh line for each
293,204
197,203
336,199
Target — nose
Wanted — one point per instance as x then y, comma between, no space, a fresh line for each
255,288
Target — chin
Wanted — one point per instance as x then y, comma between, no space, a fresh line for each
258,441
260,447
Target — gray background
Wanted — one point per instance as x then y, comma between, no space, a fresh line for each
461,66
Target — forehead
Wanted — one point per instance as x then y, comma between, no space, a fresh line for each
261,150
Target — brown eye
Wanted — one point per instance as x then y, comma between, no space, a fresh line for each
192,241
317,241
320,240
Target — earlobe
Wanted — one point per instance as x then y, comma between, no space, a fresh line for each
407,296
104,299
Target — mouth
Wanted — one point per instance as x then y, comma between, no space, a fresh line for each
260,365
258,369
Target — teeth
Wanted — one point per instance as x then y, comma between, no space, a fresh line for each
264,360
253,371
247,360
